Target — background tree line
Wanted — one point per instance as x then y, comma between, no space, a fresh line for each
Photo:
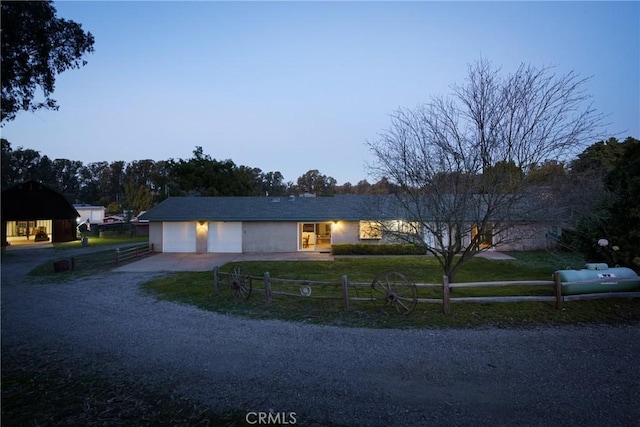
598,192
140,184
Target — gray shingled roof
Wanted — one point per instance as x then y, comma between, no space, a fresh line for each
343,207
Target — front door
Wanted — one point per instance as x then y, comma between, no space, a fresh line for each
484,238
314,236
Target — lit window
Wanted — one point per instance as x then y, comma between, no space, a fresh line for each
370,230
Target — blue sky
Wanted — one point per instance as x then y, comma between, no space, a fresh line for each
294,86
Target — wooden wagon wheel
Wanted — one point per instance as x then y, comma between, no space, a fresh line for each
240,282
394,292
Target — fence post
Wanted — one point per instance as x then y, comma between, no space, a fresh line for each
216,280
267,287
446,301
345,293
558,290
72,263
117,256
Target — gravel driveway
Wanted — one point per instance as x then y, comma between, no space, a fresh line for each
583,375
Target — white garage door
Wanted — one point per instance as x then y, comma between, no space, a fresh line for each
225,237
179,237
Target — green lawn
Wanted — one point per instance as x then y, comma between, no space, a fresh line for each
87,261
198,289
101,241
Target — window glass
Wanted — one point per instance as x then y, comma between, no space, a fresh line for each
370,230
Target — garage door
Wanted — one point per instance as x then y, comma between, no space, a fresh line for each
225,237
179,237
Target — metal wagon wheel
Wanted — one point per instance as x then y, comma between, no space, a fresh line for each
240,282
394,292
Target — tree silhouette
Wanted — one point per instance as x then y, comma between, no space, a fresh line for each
36,46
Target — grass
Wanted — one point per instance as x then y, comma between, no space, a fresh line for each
87,262
198,289
101,241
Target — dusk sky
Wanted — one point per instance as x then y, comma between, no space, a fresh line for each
294,86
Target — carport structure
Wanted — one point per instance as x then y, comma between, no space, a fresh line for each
32,212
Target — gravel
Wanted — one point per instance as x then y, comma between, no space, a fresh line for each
581,375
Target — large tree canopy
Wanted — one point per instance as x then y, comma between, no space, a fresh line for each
315,182
36,46
461,163
614,214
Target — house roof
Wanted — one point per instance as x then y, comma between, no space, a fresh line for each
342,207
32,200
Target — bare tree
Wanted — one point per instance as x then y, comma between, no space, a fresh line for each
460,163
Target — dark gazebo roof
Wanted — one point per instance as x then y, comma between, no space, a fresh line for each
33,200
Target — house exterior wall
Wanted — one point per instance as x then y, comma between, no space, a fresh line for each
345,232
282,236
269,236
530,237
202,232
155,235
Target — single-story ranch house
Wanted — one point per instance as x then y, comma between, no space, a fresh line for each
273,224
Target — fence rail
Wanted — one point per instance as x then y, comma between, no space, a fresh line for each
133,252
446,300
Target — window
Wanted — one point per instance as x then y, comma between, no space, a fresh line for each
370,230
404,227
437,236
314,236
483,237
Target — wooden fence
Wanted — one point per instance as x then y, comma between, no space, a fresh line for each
133,252
348,289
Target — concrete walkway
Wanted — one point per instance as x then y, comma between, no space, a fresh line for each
163,262
493,255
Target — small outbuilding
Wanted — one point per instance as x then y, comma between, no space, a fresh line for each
33,212
90,214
